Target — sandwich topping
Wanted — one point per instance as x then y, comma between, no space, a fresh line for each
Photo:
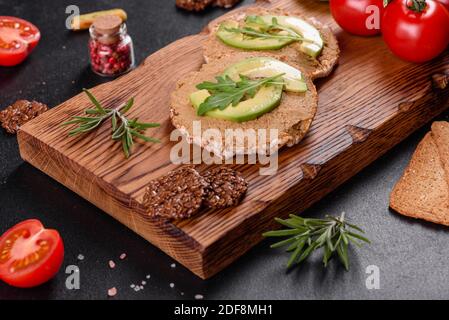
247,89
268,32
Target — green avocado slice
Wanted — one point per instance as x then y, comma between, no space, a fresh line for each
312,45
237,40
266,99
264,67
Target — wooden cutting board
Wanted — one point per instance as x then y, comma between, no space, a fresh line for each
371,102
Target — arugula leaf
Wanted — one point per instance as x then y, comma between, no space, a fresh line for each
223,83
226,92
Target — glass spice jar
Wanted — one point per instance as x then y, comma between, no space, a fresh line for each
110,47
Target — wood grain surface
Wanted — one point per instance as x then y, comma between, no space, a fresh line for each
370,103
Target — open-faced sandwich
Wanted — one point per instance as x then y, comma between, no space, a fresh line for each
258,76
282,35
247,93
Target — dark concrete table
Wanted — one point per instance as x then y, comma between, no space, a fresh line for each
412,256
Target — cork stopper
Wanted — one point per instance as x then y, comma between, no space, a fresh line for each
107,25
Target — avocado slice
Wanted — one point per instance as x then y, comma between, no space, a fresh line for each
265,100
264,67
237,40
312,45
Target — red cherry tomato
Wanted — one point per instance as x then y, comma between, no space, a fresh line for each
445,3
359,17
17,39
416,36
30,254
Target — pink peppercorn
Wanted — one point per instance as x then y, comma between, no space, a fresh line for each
110,47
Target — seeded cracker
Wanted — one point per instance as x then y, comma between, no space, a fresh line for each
226,3
193,5
226,187
199,5
177,195
19,113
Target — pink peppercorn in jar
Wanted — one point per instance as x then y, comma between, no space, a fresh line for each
110,47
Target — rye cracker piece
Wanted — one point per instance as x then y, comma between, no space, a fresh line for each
19,113
226,3
226,187
193,5
176,195
199,5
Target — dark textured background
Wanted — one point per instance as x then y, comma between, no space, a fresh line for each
412,255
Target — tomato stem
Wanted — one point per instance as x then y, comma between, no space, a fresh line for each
417,5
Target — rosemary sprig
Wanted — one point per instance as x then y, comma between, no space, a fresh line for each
227,92
123,129
267,31
333,234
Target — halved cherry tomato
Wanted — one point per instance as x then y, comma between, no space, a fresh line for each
359,17
17,39
30,254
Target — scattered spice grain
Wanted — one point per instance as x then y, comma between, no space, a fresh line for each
112,292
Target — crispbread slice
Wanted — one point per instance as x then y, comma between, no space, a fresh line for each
292,118
422,192
440,133
321,67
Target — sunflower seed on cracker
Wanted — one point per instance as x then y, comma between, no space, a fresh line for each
176,195
226,187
